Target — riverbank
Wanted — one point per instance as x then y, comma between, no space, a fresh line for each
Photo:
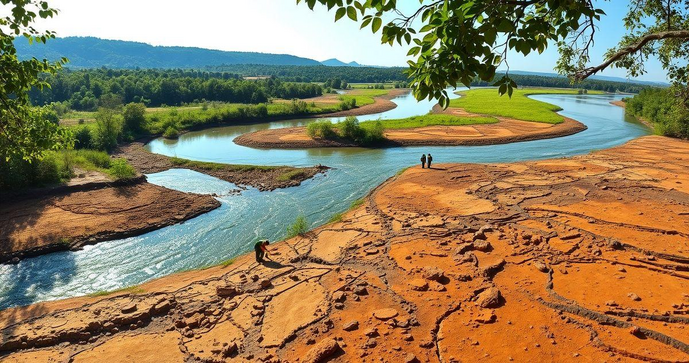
505,131
75,216
263,178
549,260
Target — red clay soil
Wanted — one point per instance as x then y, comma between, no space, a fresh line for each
584,258
39,225
505,131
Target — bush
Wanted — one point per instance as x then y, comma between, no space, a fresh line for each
298,228
83,139
108,129
120,169
350,129
98,159
321,130
171,133
374,134
134,117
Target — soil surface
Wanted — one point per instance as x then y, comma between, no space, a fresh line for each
553,260
380,104
262,178
44,224
505,131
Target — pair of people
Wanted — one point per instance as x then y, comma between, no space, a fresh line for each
426,161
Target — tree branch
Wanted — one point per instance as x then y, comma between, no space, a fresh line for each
676,34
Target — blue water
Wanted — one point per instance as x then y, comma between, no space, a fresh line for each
248,215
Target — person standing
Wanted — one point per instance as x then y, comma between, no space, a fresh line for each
261,248
430,160
423,161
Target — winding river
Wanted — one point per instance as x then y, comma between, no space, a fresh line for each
247,215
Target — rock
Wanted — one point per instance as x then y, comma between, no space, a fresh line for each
634,330
486,318
162,307
229,349
427,344
408,337
611,303
339,296
410,358
483,246
486,228
321,351
385,314
360,290
227,291
634,296
541,266
352,325
572,235
418,285
129,308
436,286
371,343
479,235
265,283
339,306
621,269
489,298
254,278
371,332
433,273
371,251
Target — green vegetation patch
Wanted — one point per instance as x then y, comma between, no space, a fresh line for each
431,120
210,166
133,290
487,101
292,175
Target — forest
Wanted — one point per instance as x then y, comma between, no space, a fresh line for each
83,90
664,108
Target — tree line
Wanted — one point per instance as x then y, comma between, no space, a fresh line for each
665,108
86,90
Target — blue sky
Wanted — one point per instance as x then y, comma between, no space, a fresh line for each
279,26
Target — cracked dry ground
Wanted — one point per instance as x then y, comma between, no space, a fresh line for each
571,259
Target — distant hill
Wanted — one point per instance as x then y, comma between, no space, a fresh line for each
90,52
333,62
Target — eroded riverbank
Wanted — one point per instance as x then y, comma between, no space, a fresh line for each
465,261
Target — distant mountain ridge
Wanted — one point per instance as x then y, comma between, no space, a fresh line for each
334,62
91,52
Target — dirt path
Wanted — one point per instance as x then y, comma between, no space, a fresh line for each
505,131
261,177
552,260
40,225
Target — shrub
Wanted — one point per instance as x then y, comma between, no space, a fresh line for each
321,130
171,133
120,169
374,134
134,117
298,228
108,129
98,159
83,138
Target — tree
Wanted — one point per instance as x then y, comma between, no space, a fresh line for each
108,128
458,41
134,117
24,131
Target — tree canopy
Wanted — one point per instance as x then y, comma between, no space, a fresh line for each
24,131
456,41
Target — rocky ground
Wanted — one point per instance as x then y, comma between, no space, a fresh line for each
505,131
262,178
70,220
583,258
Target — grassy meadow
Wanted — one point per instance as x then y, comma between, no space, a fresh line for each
487,101
431,120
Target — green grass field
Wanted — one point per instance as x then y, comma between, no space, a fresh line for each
431,120
487,101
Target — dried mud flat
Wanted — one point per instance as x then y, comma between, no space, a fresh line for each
583,258
262,178
42,225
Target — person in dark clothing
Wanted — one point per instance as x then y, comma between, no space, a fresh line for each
261,248
423,161
430,160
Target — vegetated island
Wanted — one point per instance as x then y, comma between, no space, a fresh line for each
479,117
527,261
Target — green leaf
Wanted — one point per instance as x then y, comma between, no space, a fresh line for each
340,13
351,13
377,22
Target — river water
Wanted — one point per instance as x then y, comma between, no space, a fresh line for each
249,215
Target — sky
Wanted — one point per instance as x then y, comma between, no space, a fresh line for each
281,26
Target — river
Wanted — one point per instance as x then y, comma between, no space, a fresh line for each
248,215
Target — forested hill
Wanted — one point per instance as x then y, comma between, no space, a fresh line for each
90,52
